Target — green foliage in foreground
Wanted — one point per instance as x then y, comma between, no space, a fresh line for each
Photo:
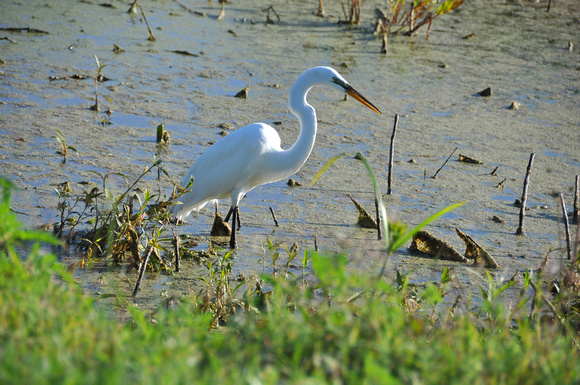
51,333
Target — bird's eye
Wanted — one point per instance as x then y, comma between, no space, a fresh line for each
341,83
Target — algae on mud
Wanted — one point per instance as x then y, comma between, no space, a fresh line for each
518,50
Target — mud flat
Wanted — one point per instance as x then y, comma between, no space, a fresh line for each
186,80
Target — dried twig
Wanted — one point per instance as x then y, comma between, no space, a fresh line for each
390,173
274,216
142,268
379,236
566,226
576,199
176,249
151,37
435,176
520,230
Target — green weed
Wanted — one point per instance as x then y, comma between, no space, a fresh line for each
384,333
99,78
63,146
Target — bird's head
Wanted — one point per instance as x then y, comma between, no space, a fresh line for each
330,76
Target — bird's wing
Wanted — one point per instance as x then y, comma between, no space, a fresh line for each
227,165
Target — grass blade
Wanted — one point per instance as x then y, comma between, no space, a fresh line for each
327,165
401,241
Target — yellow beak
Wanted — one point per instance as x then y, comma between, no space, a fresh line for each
355,94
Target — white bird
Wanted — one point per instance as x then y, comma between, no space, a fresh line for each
252,156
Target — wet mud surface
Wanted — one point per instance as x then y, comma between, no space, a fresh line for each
517,49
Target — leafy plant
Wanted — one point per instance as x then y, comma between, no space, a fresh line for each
99,78
119,229
410,18
417,14
52,333
11,232
63,146
400,235
218,298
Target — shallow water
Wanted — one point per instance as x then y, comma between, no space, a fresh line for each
518,49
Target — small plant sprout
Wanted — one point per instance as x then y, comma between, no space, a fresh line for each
63,146
98,78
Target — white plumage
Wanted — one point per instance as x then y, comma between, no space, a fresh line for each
252,155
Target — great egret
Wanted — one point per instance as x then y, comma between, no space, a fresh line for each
251,156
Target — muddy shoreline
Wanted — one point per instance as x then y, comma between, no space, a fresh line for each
517,49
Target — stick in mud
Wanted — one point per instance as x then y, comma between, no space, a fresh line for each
566,226
151,37
142,269
315,242
520,230
379,236
274,216
576,200
390,172
435,176
176,249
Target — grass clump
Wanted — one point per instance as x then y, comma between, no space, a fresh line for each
347,328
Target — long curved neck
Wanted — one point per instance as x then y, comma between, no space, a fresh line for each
293,158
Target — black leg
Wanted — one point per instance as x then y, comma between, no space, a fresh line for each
228,216
237,215
233,237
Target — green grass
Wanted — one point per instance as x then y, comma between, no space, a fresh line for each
349,328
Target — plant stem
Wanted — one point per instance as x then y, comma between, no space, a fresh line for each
520,230
274,216
392,150
176,248
435,176
566,226
576,200
151,37
142,268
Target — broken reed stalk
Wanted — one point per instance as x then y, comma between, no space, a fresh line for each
576,200
576,246
379,236
176,249
274,216
390,172
520,230
435,176
566,226
151,37
142,268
